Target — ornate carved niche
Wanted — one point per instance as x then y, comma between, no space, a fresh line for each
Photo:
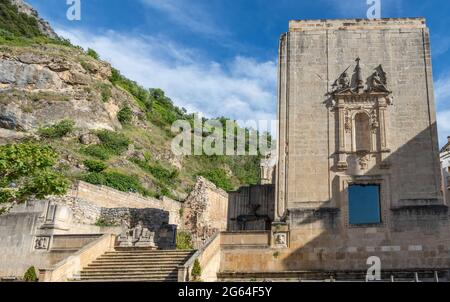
361,110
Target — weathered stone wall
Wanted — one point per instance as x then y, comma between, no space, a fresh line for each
205,211
33,235
251,208
105,197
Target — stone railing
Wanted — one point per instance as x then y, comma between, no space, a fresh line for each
68,268
209,259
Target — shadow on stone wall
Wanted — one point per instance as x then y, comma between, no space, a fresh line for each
155,220
251,208
414,234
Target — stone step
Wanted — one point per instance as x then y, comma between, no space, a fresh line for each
132,265
147,255
151,251
144,257
129,269
143,260
171,279
129,276
130,272
128,260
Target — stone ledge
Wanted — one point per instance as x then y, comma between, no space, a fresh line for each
353,24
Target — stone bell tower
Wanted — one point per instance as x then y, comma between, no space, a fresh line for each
358,171
358,151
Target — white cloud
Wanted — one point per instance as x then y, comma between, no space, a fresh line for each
442,89
187,13
241,89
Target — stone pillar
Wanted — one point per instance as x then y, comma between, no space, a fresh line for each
382,106
282,148
342,160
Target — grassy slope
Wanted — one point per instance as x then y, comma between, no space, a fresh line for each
155,175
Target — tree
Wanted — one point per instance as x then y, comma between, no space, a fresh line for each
27,170
30,275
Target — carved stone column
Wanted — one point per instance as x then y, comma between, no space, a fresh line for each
382,108
342,160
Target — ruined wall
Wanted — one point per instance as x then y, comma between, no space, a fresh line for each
205,211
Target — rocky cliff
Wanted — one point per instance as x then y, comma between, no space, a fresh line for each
27,9
107,129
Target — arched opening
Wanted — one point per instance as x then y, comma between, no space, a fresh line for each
362,132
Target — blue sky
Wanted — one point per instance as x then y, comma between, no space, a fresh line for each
218,57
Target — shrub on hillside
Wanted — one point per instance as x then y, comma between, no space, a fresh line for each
17,23
92,53
115,142
125,115
97,151
95,165
115,180
218,177
58,130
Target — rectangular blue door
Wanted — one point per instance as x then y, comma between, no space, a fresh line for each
364,204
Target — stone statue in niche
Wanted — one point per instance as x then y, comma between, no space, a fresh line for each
139,236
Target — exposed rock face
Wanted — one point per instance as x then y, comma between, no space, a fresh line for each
43,85
44,26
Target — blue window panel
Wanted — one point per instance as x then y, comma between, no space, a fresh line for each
364,204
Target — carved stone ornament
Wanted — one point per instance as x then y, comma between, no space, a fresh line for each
41,243
280,239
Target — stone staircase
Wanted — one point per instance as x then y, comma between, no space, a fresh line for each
135,265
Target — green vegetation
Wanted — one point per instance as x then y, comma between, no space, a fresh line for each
116,180
58,130
95,165
151,139
141,95
19,29
3,210
101,222
16,23
30,275
28,170
48,96
93,54
184,241
218,177
196,270
105,91
112,144
125,115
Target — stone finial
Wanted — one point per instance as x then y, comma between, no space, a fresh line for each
448,138
359,77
